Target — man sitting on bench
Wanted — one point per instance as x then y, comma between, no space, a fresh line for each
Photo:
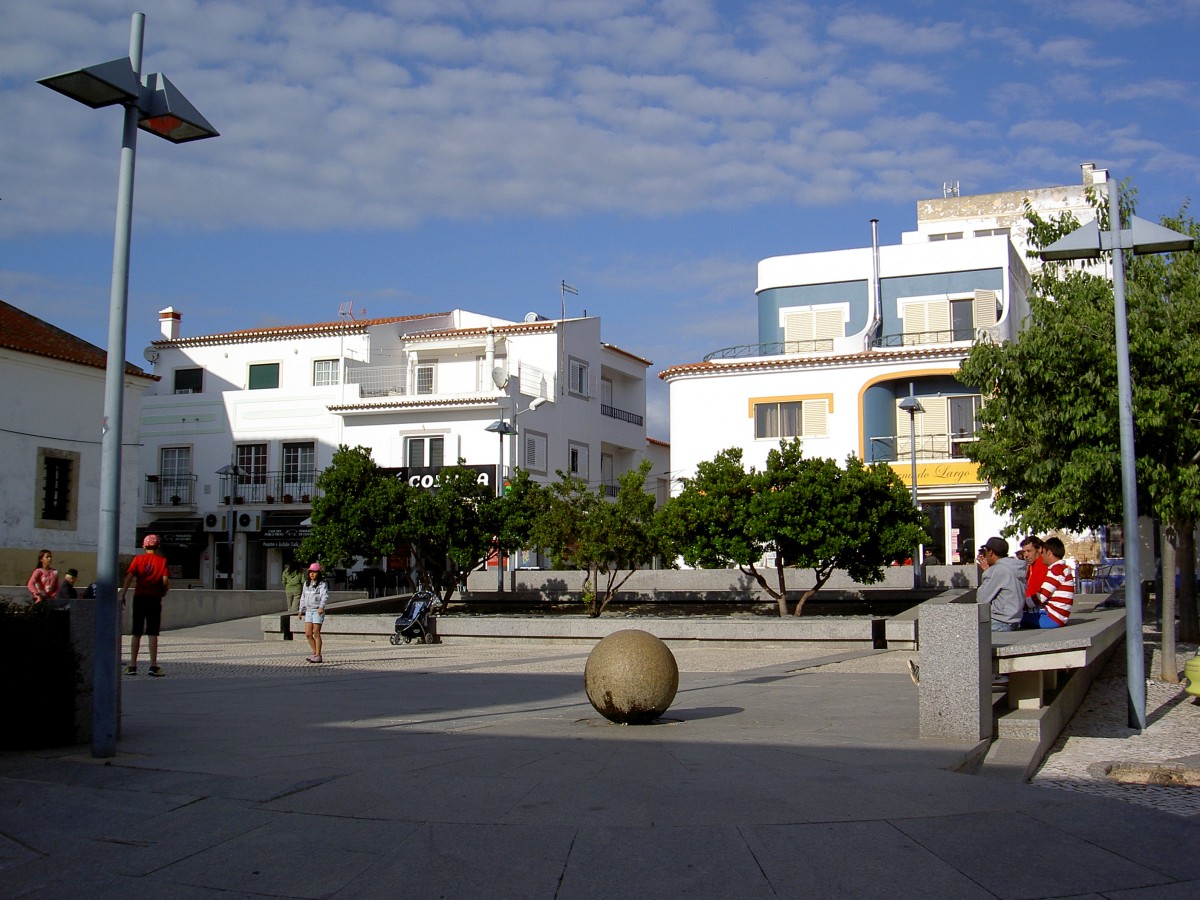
1051,605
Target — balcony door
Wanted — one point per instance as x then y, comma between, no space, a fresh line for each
175,475
252,472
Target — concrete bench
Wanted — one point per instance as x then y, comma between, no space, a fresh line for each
1035,660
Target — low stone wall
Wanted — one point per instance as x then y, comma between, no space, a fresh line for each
709,585
186,608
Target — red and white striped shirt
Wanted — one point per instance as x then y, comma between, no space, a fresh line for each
1057,592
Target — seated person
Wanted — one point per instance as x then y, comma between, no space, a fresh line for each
1003,584
1051,605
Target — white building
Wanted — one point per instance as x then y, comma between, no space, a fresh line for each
50,447
418,391
845,336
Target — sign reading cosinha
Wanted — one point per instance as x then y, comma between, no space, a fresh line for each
427,478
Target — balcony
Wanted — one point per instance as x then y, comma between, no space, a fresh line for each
929,447
771,348
269,488
924,338
613,413
170,490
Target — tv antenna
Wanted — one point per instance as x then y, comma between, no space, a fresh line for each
346,311
949,188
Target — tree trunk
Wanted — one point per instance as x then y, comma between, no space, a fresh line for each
1189,625
1168,669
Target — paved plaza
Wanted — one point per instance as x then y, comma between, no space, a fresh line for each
478,769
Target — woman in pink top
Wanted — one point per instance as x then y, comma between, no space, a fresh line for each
43,583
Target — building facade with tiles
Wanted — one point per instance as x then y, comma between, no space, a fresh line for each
418,391
845,336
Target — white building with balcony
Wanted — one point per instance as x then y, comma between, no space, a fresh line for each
845,336
418,391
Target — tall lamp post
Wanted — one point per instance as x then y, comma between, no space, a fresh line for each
230,472
1089,242
153,104
501,428
912,406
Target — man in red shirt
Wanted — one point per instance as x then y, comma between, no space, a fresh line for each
1035,572
150,570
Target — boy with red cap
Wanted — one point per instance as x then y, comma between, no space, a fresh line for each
150,570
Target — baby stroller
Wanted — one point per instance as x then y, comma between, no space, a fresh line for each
413,623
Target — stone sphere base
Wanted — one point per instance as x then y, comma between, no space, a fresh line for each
631,677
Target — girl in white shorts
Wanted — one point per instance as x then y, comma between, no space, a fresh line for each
313,598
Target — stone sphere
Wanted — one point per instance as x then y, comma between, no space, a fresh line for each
631,677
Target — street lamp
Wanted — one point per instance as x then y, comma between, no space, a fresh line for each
1089,242
501,428
231,472
912,406
154,105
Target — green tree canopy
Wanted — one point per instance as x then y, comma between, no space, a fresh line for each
580,527
811,513
1049,439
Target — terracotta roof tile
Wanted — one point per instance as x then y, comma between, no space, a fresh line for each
26,333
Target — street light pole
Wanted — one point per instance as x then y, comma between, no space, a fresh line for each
1088,242
912,406
153,104
501,428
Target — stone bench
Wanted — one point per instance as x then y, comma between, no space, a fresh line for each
1036,660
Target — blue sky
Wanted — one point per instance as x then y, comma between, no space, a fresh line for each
418,155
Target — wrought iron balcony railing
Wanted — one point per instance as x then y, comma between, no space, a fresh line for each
170,490
269,487
771,348
893,448
614,413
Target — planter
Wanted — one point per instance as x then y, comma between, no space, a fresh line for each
304,498
176,500
239,500
270,499
287,498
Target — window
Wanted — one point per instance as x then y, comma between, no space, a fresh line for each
939,320
425,452
533,451
299,468
189,381
58,483
577,372
252,472
946,425
264,376
791,418
325,372
56,489
578,458
174,475
947,236
989,232
424,380
814,328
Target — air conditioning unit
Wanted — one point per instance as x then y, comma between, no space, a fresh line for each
183,390
249,522
215,522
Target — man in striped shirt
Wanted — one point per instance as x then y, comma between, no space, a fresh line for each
1052,602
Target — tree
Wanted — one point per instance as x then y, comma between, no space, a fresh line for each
580,527
1049,438
450,528
354,513
811,513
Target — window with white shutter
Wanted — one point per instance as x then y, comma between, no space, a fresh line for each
800,417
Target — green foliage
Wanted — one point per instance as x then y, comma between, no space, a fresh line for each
811,513
450,528
1049,437
580,528
355,512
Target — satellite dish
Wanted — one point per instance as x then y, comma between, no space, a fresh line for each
500,377
151,354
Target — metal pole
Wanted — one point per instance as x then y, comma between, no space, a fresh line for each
500,493
107,650
912,444
1134,640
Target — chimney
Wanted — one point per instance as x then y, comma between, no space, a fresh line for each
168,323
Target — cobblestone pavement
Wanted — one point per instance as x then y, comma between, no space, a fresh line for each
1098,737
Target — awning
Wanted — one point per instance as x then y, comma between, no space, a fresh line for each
285,529
175,532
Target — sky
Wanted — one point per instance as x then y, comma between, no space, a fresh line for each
417,156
